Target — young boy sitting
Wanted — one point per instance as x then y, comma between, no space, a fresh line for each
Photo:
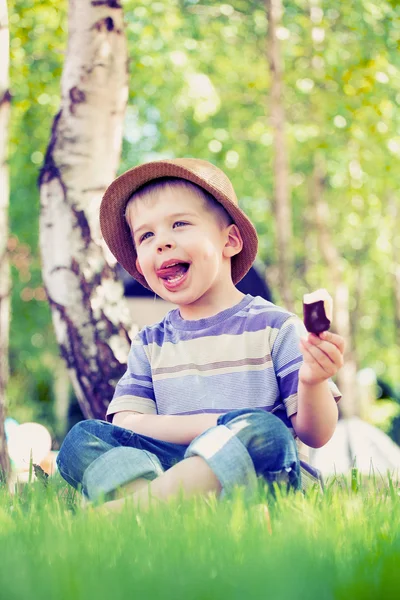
215,394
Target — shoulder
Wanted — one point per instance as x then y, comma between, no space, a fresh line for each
156,333
268,314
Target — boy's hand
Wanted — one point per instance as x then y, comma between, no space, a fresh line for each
323,357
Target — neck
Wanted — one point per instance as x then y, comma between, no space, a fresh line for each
208,306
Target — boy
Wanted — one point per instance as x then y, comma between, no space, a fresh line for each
215,393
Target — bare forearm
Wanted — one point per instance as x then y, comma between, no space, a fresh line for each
168,428
317,414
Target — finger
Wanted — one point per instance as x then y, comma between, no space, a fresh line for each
315,354
311,363
330,349
333,338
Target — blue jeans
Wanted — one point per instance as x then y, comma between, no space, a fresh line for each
98,457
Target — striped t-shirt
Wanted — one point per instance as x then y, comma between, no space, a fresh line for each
247,356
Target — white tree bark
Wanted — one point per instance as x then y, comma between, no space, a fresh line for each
282,206
5,283
89,314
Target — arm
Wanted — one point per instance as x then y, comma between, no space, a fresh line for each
317,411
181,429
316,416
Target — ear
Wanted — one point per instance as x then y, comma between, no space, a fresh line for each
138,266
234,242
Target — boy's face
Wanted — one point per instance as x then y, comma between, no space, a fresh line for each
183,249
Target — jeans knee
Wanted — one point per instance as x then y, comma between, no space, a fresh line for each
80,447
266,438
77,436
264,424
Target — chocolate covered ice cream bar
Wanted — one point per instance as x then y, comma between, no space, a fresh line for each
317,311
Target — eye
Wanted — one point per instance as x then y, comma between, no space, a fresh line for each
180,223
145,236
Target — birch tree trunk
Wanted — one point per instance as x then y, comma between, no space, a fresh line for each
346,377
89,314
395,214
5,283
282,207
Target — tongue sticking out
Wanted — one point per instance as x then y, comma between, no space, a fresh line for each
174,271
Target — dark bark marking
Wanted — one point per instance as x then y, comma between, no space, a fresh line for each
109,3
97,385
5,98
77,96
109,23
50,170
83,225
106,24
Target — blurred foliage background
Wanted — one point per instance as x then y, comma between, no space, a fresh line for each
199,86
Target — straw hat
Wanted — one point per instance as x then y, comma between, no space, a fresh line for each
116,231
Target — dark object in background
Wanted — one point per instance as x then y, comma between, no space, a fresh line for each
252,283
385,391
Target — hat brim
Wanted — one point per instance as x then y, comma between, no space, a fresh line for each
116,231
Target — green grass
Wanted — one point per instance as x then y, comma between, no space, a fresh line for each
344,544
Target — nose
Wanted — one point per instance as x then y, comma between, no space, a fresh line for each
163,245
